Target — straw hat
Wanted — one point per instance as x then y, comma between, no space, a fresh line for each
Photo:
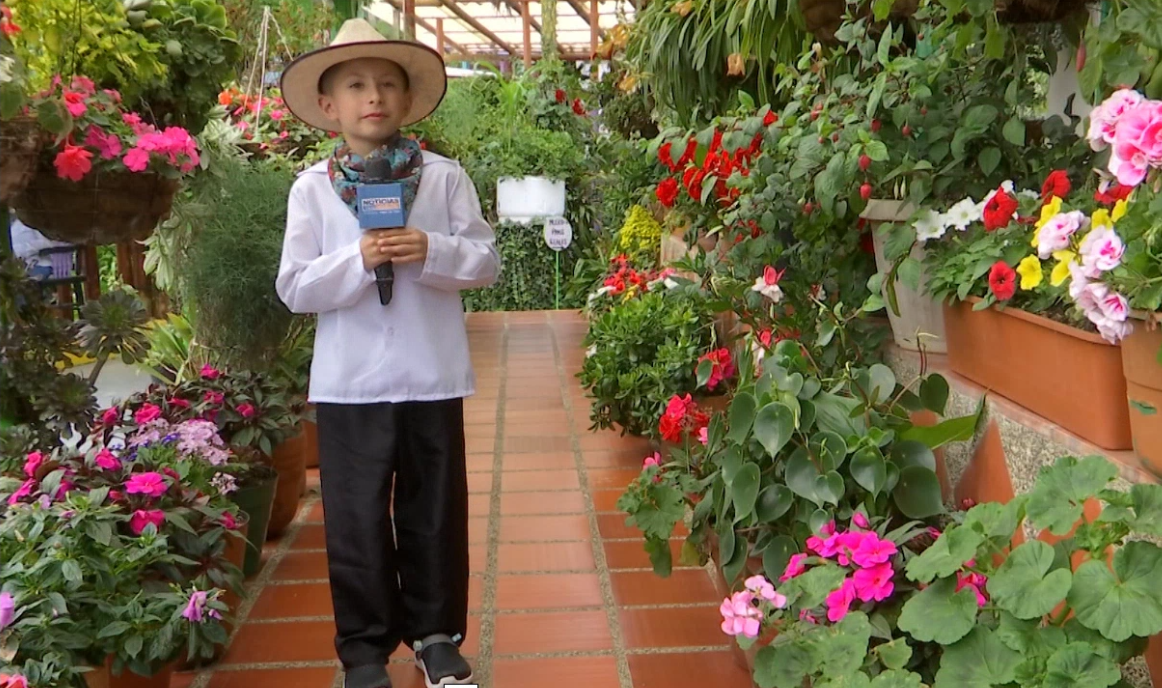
358,38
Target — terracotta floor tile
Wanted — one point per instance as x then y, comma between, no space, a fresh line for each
526,503
542,632
632,555
606,500
683,586
532,388
182,679
477,558
312,641
480,463
302,566
470,648
485,444
553,415
558,672
544,528
475,593
480,504
310,536
534,403
477,530
316,513
674,627
537,429
523,444
611,440
548,591
539,462
480,483
531,481
613,527
630,460
274,678
612,479
285,601
717,669
546,556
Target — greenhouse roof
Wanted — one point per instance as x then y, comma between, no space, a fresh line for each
487,30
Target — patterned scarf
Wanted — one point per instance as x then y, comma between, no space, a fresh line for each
407,164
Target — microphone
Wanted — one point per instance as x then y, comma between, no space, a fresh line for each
380,204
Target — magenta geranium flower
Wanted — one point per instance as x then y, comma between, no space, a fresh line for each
7,609
873,551
246,410
147,414
149,484
32,463
110,416
874,583
107,461
209,372
143,518
24,492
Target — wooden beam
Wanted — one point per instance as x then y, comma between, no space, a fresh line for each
594,26
528,40
586,15
449,43
497,57
512,5
409,19
481,28
440,36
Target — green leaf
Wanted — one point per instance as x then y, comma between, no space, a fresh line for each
841,648
989,159
1147,498
897,678
812,587
742,416
1030,638
895,655
876,150
1124,602
946,556
918,493
827,330
858,679
952,430
997,522
660,557
909,273
912,453
782,664
773,502
773,427
981,660
980,116
52,115
883,383
744,490
114,629
939,613
800,475
1077,666
1014,131
1142,407
1058,498
72,571
934,393
776,556
869,470
1025,586
994,41
704,370
829,487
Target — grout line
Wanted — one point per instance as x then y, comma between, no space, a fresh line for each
483,669
611,611
254,588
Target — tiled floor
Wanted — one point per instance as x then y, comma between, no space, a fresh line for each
562,594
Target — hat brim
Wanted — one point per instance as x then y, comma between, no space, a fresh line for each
427,80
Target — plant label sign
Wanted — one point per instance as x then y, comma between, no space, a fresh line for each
558,233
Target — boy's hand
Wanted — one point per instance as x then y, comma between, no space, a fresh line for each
373,254
404,245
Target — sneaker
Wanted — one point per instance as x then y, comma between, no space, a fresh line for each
370,676
442,665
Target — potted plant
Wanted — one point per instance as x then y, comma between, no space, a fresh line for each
1002,268
21,138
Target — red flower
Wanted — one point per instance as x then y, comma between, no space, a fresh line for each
998,212
1056,184
770,118
667,192
578,107
722,368
560,95
73,163
692,180
682,415
688,154
665,155
246,410
1002,281
1113,194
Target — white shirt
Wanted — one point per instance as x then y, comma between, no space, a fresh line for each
416,347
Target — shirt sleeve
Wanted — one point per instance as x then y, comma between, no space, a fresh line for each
310,281
467,257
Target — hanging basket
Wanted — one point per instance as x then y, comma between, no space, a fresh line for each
822,18
1037,11
21,140
103,208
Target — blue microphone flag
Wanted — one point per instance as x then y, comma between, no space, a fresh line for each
380,206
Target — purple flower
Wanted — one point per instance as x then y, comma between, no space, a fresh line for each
196,611
7,609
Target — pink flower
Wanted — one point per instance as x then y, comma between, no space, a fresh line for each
760,586
839,601
108,146
740,616
283,134
179,403
875,583
209,372
84,85
32,463
136,160
229,522
1101,251
24,492
860,520
768,284
1054,235
213,397
113,94
975,581
196,609
655,460
106,460
1137,143
704,435
73,163
277,114
873,551
150,484
142,518
147,414
1103,120
110,416
7,609
933,533
246,410
13,681
75,103
795,567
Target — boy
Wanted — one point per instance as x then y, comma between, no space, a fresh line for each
388,381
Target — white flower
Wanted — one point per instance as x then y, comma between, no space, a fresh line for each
6,68
591,351
767,284
963,214
930,225
598,294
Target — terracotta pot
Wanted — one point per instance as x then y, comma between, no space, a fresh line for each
1144,391
1061,373
103,677
289,460
311,449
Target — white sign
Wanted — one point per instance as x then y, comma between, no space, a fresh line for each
558,233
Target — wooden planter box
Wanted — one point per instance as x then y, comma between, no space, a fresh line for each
1143,375
1070,377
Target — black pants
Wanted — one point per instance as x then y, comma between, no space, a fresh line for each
389,589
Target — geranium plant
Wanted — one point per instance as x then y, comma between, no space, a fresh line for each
265,120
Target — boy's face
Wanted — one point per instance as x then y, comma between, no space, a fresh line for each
368,99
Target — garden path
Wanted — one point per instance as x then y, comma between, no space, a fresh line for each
562,594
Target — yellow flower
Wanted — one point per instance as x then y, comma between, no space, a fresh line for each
1101,218
1030,271
735,65
1049,210
1119,210
1061,271
683,8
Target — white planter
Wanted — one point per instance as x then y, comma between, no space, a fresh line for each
921,318
526,199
